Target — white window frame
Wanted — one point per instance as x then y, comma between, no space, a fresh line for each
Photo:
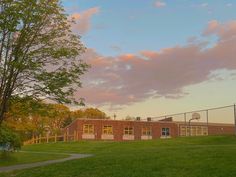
88,129
129,129
146,131
106,130
164,131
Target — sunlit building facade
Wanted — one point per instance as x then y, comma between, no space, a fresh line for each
122,130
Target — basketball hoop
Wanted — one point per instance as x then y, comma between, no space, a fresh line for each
196,116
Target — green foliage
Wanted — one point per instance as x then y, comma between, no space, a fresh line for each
26,106
90,113
31,117
57,115
68,121
9,139
27,116
38,52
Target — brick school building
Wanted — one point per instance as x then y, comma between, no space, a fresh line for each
123,130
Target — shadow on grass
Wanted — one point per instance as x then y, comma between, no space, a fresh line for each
7,156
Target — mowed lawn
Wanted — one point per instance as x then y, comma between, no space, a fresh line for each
25,157
213,156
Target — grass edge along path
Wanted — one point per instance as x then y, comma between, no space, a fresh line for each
42,163
24,157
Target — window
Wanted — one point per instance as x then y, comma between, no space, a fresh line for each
146,131
165,132
183,131
204,130
88,129
199,130
194,130
107,129
128,131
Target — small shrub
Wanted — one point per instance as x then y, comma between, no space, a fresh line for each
9,140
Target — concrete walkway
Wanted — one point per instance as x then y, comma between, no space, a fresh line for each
44,163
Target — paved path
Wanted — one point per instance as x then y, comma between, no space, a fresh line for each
44,163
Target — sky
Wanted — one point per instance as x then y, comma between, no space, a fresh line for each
155,57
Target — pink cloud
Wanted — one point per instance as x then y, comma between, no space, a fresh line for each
223,31
83,19
212,26
127,57
159,4
130,78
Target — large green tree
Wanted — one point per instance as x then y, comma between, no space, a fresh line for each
28,117
38,52
57,115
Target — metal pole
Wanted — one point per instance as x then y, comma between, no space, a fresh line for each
235,118
207,122
189,127
185,120
189,124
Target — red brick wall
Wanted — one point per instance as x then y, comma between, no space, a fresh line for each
118,128
221,129
156,128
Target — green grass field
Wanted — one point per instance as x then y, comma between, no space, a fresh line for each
25,157
181,157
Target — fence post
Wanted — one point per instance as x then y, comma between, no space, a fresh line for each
207,122
32,140
64,139
77,135
185,120
55,138
40,138
74,135
47,137
235,118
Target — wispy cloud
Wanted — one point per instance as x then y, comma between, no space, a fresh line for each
159,4
204,4
83,19
229,5
116,48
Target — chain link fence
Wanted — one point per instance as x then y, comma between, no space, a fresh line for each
199,122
